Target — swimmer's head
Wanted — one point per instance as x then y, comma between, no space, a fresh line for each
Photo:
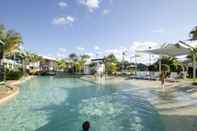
86,126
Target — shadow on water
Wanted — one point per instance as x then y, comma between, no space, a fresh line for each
136,112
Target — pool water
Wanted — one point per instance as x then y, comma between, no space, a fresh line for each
62,104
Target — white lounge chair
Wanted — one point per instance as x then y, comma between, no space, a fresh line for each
173,77
155,76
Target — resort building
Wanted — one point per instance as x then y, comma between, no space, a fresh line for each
14,61
12,64
33,67
100,67
47,65
86,68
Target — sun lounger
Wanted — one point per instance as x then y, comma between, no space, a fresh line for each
173,77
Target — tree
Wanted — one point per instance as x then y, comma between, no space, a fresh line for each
77,62
111,68
12,41
111,58
172,62
82,61
73,57
111,64
61,64
193,33
73,61
35,57
85,57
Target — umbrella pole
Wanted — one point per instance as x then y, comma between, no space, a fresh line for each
194,66
160,64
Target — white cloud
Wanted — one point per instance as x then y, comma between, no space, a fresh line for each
96,48
59,21
63,20
91,4
116,51
132,50
161,30
137,46
92,55
62,4
61,53
106,11
62,50
80,49
70,19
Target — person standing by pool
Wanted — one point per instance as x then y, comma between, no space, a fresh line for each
165,72
85,126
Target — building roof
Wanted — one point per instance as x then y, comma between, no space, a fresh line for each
49,58
98,60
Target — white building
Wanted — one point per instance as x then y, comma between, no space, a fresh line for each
47,64
100,69
11,64
33,66
87,68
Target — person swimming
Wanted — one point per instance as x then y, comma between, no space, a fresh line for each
86,126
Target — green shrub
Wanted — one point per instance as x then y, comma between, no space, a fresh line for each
111,68
165,67
14,75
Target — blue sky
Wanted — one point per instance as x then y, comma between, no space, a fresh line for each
59,27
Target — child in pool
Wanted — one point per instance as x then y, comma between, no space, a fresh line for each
85,126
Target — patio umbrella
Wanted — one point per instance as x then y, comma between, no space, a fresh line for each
172,50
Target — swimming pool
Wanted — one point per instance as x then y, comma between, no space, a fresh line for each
62,104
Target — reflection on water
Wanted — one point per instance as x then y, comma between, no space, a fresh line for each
51,104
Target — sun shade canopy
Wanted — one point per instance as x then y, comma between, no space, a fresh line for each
173,50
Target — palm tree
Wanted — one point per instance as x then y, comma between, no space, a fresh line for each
74,58
172,62
61,64
35,58
82,61
12,41
111,64
193,33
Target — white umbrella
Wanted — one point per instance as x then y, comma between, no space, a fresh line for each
173,50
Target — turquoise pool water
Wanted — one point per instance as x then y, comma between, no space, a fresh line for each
62,104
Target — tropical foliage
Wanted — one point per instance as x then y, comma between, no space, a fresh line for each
193,33
61,64
77,62
11,43
173,63
11,39
111,63
14,75
32,57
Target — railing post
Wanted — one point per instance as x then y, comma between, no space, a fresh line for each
194,66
